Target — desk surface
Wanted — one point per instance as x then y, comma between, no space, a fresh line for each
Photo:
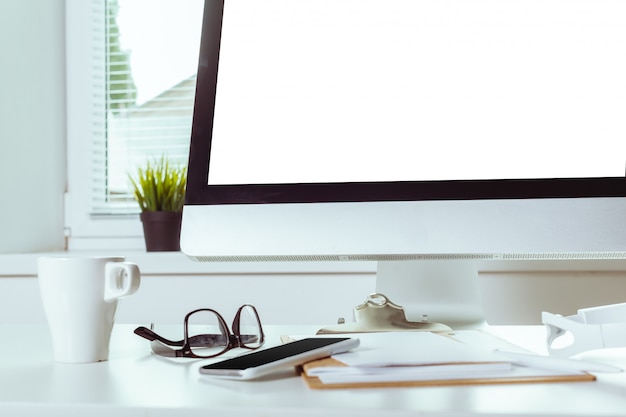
135,383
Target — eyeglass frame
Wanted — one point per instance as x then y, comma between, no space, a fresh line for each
162,346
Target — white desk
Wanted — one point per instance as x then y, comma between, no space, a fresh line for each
135,383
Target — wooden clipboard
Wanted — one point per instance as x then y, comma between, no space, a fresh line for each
315,383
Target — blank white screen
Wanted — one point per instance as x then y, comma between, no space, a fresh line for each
388,90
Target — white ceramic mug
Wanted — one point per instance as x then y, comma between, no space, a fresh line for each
79,296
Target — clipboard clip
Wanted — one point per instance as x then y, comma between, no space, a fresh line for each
379,314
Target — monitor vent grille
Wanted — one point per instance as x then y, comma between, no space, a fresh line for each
564,256
409,257
307,258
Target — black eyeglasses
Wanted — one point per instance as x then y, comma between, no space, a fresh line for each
206,334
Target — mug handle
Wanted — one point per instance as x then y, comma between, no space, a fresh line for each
120,280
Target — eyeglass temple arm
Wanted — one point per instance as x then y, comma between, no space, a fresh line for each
150,335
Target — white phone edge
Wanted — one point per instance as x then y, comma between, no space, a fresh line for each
302,358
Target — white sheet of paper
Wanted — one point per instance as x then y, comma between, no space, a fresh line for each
413,348
424,356
416,373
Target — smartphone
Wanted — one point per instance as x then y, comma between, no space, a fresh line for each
256,364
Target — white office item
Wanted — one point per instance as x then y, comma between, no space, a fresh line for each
80,296
432,137
591,328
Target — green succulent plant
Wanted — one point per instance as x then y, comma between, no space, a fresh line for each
160,186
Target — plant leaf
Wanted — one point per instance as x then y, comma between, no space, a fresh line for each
160,186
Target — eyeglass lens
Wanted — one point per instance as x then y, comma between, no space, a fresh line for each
250,333
209,335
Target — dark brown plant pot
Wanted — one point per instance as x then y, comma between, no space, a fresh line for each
161,230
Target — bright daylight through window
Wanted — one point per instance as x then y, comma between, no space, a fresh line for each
146,55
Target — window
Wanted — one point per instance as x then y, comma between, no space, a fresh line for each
130,86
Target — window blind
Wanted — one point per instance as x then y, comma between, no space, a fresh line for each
142,110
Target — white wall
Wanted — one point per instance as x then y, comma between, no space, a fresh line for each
519,297
280,299
32,125
316,293
321,298
172,285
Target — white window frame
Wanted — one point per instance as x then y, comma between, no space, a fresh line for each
87,231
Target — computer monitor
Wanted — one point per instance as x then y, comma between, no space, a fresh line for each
424,135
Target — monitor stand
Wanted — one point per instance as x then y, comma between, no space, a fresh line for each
442,291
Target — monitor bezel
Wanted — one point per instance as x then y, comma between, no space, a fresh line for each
201,193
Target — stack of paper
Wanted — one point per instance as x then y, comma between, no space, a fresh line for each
423,358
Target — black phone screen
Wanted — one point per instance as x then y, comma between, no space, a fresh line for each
274,354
